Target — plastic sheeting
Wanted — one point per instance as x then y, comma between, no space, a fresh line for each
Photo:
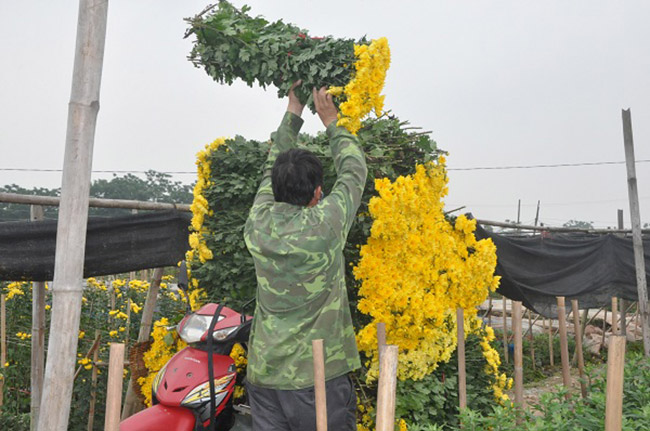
589,268
114,245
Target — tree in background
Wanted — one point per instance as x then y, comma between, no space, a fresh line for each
579,224
155,187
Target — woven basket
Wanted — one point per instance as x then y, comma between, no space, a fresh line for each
138,369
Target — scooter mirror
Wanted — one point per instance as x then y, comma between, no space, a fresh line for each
182,276
183,282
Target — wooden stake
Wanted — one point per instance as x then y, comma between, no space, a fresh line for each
578,334
564,344
505,332
519,368
132,404
386,389
532,337
615,316
602,341
38,335
622,323
490,311
381,339
114,387
615,368
93,386
3,343
91,351
73,216
550,342
637,239
319,385
462,377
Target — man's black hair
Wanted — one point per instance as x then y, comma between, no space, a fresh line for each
295,176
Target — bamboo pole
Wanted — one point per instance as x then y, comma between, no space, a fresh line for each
386,390
578,334
532,337
93,386
615,316
462,376
73,215
550,342
602,341
91,351
564,345
319,385
38,336
3,343
622,323
94,202
489,316
131,402
381,339
505,332
114,387
615,368
519,368
637,239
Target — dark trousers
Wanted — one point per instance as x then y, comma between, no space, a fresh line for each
295,410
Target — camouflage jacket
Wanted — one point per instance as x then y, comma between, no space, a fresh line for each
298,254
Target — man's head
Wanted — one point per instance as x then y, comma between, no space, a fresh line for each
297,177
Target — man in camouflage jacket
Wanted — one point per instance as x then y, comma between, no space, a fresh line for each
296,238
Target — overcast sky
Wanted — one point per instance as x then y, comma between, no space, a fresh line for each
499,83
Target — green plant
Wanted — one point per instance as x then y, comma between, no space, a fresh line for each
555,412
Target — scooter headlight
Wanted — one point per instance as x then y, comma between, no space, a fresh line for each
201,394
158,379
194,328
222,334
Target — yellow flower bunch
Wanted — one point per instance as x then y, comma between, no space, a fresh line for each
416,269
363,93
135,307
94,283
23,335
15,288
158,355
86,362
501,381
139,285
200,206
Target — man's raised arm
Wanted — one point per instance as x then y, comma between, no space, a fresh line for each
282,140
349,162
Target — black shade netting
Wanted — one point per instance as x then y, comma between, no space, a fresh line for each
114,245
589,268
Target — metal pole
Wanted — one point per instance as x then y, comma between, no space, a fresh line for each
73,215
635,215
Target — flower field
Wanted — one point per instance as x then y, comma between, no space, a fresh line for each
111,310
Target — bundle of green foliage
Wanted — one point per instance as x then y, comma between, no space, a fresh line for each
391,148
230,44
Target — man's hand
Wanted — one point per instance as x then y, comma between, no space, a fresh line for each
295,107
325,106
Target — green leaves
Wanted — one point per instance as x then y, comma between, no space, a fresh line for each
232,45
236,171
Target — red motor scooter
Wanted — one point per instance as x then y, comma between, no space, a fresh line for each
194,390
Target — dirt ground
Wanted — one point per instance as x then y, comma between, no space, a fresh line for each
533,391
